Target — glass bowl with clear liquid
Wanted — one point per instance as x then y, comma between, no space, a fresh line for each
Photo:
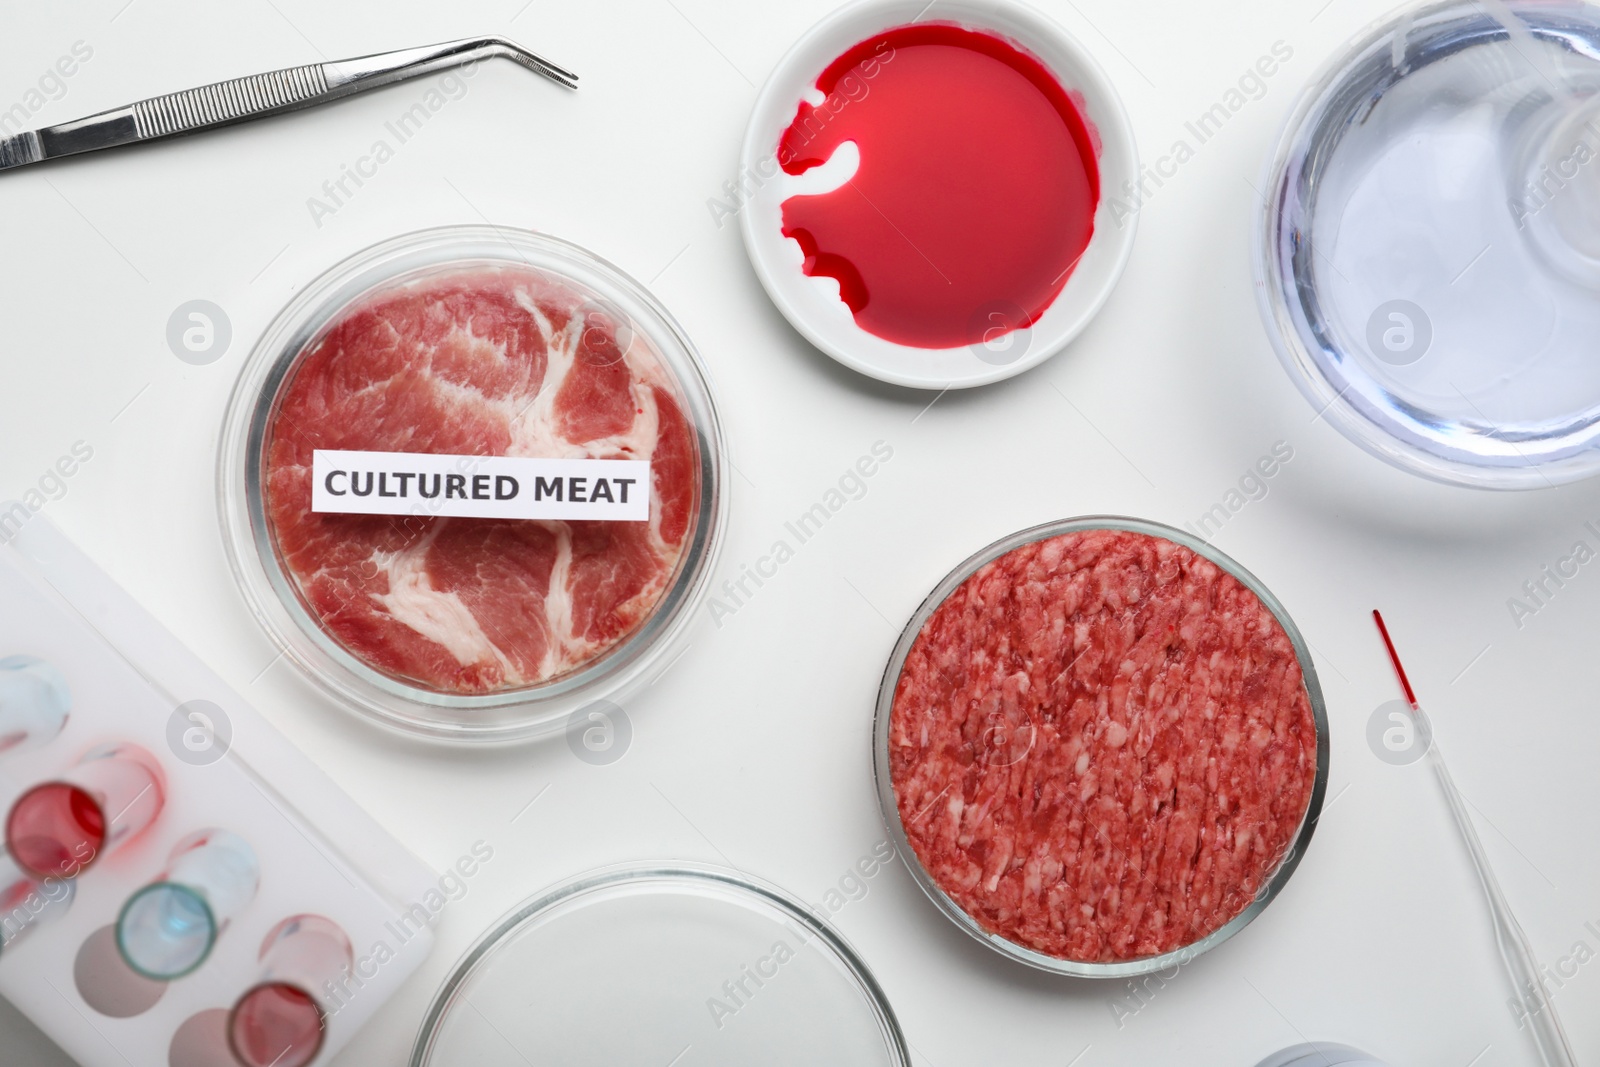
1429,253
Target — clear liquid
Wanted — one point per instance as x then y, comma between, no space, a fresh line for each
166,932
167,929
34,702
1425,206
1445,220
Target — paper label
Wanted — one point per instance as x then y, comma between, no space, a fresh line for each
480,487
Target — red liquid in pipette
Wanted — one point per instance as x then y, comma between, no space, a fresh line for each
976,192
1394,658
275,1025
55,830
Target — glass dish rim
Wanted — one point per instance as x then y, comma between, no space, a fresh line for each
681,873
890,809
1308,363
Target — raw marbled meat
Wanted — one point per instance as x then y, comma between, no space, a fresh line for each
492,362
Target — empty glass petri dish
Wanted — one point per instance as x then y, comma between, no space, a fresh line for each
661,965
1321,1054
1428,254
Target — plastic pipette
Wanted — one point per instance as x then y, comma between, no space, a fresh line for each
1522,967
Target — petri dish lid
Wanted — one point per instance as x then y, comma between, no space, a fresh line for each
683,965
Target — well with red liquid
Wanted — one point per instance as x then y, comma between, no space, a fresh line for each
275,1025
976,192
55,830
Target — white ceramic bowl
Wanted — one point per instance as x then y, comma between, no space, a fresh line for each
812,305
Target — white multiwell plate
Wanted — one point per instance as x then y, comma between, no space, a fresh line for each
132,681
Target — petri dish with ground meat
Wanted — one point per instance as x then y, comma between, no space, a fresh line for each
1103,745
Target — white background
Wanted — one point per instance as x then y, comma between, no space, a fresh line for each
753,749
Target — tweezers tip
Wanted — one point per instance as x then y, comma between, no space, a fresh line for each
536,63
555,74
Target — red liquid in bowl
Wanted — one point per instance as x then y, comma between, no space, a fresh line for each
976,193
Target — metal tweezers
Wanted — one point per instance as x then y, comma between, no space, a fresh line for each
242,99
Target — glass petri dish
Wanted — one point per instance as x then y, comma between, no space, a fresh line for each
472,342
1428,253
1273,881
670,965
1321,1054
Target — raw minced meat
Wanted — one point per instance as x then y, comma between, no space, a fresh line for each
481,362
1102,746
